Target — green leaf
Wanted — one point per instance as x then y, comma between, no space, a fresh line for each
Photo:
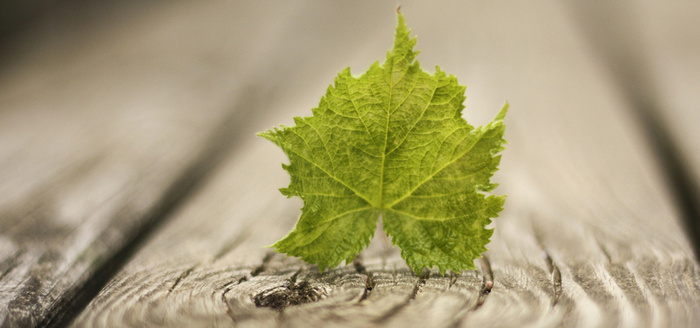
392,142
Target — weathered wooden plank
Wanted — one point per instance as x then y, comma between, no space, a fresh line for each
677,68
102,128
589,236
655,46
652,53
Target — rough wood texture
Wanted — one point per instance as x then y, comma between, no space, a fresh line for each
589,238
104,125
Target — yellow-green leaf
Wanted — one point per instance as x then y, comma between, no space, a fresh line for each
392,142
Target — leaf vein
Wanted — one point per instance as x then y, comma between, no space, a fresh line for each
410,192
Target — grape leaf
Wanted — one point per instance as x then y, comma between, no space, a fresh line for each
392,142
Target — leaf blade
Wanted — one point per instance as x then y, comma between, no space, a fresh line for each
392,142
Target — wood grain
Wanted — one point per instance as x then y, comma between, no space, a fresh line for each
102,129
589,238
650,50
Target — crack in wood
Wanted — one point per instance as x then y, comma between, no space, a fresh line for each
254,272
258,269
556,279
417,287
370,284
553,268
486,286
453,279
263,266
556,276
487,283
604,250
293,278
229,308
180,278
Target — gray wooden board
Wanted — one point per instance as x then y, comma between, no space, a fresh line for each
102,126
589,236
659,42
677,67
651,50
674,32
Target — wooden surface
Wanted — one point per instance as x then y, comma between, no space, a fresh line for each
110,147
649,49
98,139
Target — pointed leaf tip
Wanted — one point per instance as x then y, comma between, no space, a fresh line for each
401,20
502,113
403,43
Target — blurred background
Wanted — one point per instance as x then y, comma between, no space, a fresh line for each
112,112
135,83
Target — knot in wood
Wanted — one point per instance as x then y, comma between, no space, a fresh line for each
281,297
